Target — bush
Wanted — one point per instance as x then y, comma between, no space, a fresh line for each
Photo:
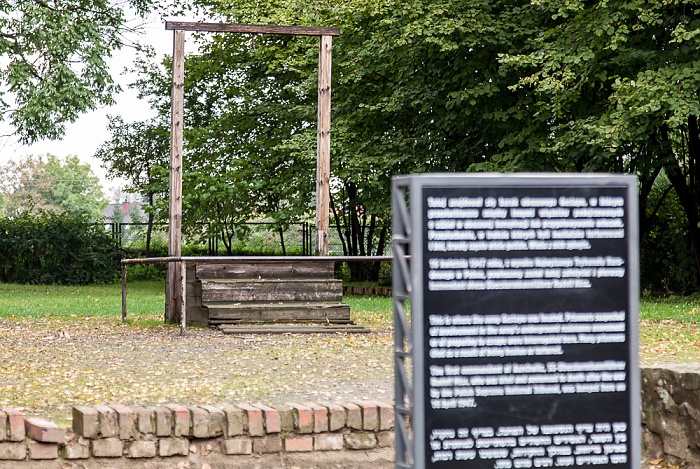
53,248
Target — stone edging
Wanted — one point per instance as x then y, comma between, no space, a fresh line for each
172,430
671,413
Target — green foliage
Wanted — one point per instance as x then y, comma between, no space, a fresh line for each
434,86
48,248
615,86
54,65
52,184
413,82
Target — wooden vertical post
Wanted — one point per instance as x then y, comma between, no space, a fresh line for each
174,301
123,293
183,298
324,146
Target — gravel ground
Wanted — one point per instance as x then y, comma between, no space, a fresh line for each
49,365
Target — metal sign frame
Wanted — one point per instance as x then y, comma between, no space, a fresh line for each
408,280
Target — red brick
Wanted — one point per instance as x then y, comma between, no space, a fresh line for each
107,448
255,420
360,440
299,444
15,419
86,422
125,419
386,439
3,426
236,421
216,419
353,416
13,452
39,450
144,420
320,417
303,418
370,415
109,423
386,415
286,414
173,447
336,415
329,442
163,419
237,446
272,418
44,431
140,449
267,444
79,449
181,419
199,422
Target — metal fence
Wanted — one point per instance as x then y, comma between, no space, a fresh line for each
253,238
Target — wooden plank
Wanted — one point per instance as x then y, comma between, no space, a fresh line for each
290,329
197,316
323,146
194,301
268,270
229,322
288,312
251,28
270,290
174,305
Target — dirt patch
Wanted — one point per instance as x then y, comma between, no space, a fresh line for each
49,365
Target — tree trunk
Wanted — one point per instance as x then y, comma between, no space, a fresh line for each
149,225
683,185
280,231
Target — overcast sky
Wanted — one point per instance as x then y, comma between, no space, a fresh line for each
84,136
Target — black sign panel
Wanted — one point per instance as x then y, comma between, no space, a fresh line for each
527,327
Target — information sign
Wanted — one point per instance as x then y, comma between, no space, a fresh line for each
525,319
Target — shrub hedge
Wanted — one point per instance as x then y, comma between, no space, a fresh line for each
49,248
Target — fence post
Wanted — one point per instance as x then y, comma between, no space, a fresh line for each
183,297
123,293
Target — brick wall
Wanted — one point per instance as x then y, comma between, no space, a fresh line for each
175,431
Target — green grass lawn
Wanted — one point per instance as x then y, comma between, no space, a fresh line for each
145,299
669,327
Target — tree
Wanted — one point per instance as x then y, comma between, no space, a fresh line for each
617,86
53,56
418,88
52,184
138,152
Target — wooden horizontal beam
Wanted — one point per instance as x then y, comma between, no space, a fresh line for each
251,28
260,259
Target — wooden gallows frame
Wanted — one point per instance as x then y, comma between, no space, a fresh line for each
175,280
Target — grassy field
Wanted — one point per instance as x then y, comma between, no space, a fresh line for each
27,301
145,302
62,346
669,327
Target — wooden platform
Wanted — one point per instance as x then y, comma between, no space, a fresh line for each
294,329
265,292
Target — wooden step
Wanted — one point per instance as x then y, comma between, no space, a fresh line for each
214,291
273,269
293,329
268,312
